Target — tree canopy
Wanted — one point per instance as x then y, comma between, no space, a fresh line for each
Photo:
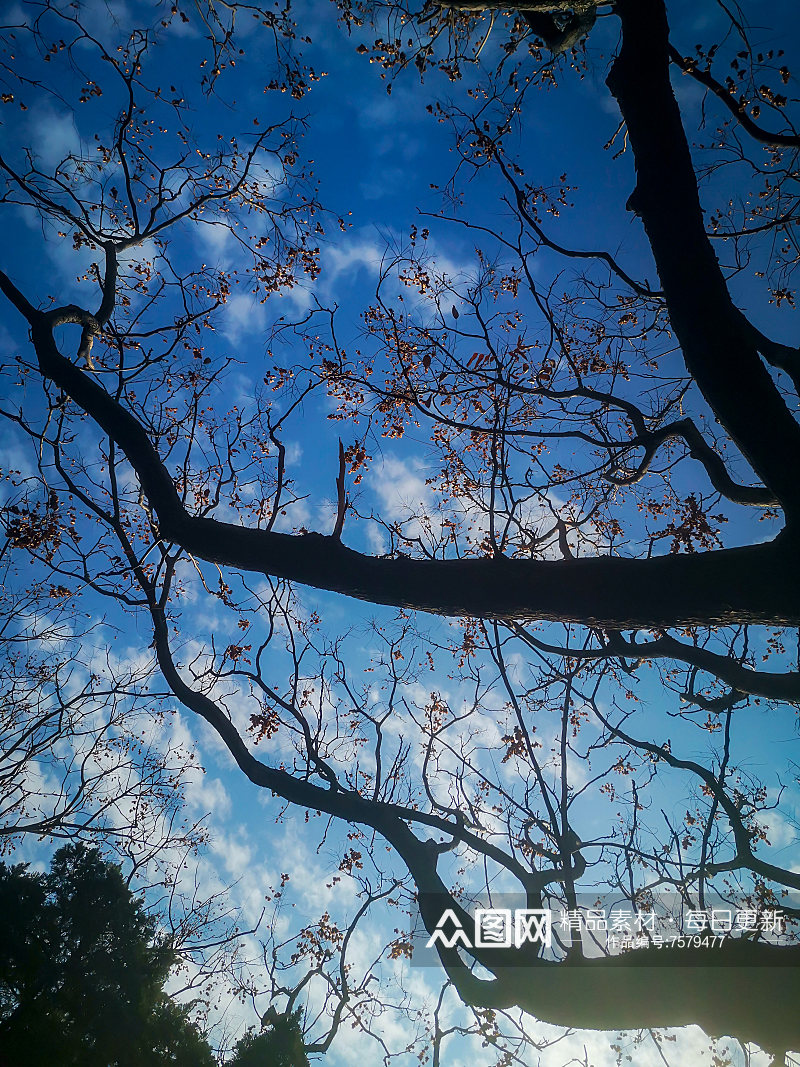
281,1045
82,971
593,650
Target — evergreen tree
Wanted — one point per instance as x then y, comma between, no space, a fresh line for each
82,972
281,1045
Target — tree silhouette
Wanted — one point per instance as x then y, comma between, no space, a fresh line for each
82,972
591,438
280,1045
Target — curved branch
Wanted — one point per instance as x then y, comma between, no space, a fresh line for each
701,450
767,684
387,819
572,253
741,836
689,66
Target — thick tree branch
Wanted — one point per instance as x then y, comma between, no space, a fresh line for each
759,584
721,357
27,310
782,357
109,285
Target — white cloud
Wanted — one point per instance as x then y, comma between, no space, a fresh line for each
360,252
215,241
244,318
53,136
236,855
780,831
400,486
208,796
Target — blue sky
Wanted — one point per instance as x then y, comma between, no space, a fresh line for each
376,157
